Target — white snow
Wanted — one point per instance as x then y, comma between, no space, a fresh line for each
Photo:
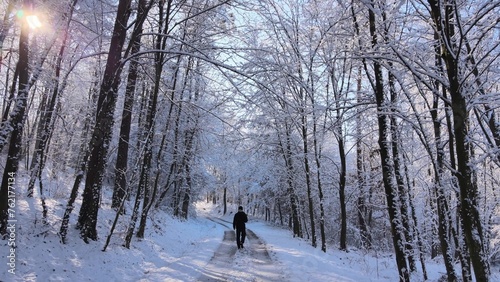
175,250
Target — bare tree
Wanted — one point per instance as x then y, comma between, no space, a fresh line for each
101,136
48,109
16,120
385,149
120,186
446,19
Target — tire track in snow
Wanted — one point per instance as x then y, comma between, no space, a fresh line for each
250,264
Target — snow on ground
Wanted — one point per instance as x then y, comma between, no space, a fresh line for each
175,250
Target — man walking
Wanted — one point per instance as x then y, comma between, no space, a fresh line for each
240,218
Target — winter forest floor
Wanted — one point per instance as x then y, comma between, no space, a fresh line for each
199,249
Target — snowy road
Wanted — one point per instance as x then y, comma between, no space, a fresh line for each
250,264
201,249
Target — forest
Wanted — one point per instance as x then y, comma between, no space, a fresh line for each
367,124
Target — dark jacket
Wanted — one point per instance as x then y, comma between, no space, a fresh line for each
239,220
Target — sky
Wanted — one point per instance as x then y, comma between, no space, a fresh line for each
189,250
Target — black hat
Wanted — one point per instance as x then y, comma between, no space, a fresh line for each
240,208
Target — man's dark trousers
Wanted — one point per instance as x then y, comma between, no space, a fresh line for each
240,236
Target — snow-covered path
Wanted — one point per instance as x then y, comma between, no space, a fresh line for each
200,249
252,263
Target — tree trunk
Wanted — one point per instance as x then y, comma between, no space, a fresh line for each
187,193
5,26
176,159
101,137
224,199
444,222
339,136
134,216
7,191
307,171
320,194
399,176
342,186
418,237
360,172
148,197
144,179
444,20
5,125
78,179
287,155
387,168
120,185
45,125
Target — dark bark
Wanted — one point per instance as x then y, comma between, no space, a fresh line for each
141,193
399,177
188,156
190,135
17,124
404,212
360,171
280,214
5,125
339,136
115,221
150,196
176,163
444,222
144,189
134,216
307,171
342,197
120,186
287,155
101,136
317,154
456,231
445,24
387,167
224,199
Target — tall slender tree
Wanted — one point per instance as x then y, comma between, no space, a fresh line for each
120,185
101,136
45,125
384,142
445,18
16,122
